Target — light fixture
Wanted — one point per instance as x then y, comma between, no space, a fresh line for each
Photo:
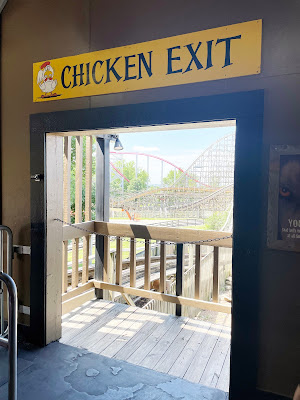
118,145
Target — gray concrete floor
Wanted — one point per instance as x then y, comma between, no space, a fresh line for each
64,372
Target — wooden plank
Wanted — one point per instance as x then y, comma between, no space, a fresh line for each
119,264
154,320
161,233
85,258
163,266
154,128
82,318
67,179
147,278
214,366
110,332
128,299
70,325
179,275
131,328
88,207
79,310
78,210
132,263
138,356
75,272
216,275
88,178
223,381
65,267
205,305
106,266
177,347
53,290
199,362
199,329
104,317
77,301
75,231
78,180
164,342
79,290
198,257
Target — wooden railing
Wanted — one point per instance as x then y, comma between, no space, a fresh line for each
143,233
82,288
86,248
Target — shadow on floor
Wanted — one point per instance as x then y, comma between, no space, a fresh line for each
59,372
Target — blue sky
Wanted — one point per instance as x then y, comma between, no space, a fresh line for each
181,147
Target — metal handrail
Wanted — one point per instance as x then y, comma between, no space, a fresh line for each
8,337
9,257
11,341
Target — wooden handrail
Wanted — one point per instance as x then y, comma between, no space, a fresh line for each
148,232
180,300
74,231
161,233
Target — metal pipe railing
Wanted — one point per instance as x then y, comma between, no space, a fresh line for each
9,257
11,341
8,337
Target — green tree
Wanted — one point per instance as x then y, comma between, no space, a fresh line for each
216,221
185,181
135,184
172,177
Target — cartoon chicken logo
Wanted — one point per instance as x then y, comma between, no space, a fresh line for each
45,80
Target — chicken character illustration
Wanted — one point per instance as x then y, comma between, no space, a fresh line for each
45,80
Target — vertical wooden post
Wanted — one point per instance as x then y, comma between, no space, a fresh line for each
65,267
198,271
78,209
147,278
88,207
54,148
132,263
163,264
106,269
66,178
119,261
75,251
78,180
66,205
179,275
102,204
216,275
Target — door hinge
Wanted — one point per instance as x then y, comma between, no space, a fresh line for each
24,310
18,249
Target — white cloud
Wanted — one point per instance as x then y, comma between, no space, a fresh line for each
144,149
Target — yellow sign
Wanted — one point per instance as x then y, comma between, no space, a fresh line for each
219,53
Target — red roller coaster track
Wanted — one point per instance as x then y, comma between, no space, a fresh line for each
152,156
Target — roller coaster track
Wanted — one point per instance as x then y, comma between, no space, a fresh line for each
207,198
205,187
157,158
133,196
119,172
214,163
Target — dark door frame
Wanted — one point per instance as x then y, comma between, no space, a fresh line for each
247,108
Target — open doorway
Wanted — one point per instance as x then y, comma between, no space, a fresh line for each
45,321
169,186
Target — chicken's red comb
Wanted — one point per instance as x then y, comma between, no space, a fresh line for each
45,64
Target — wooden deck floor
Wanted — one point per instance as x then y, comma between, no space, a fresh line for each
191,349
